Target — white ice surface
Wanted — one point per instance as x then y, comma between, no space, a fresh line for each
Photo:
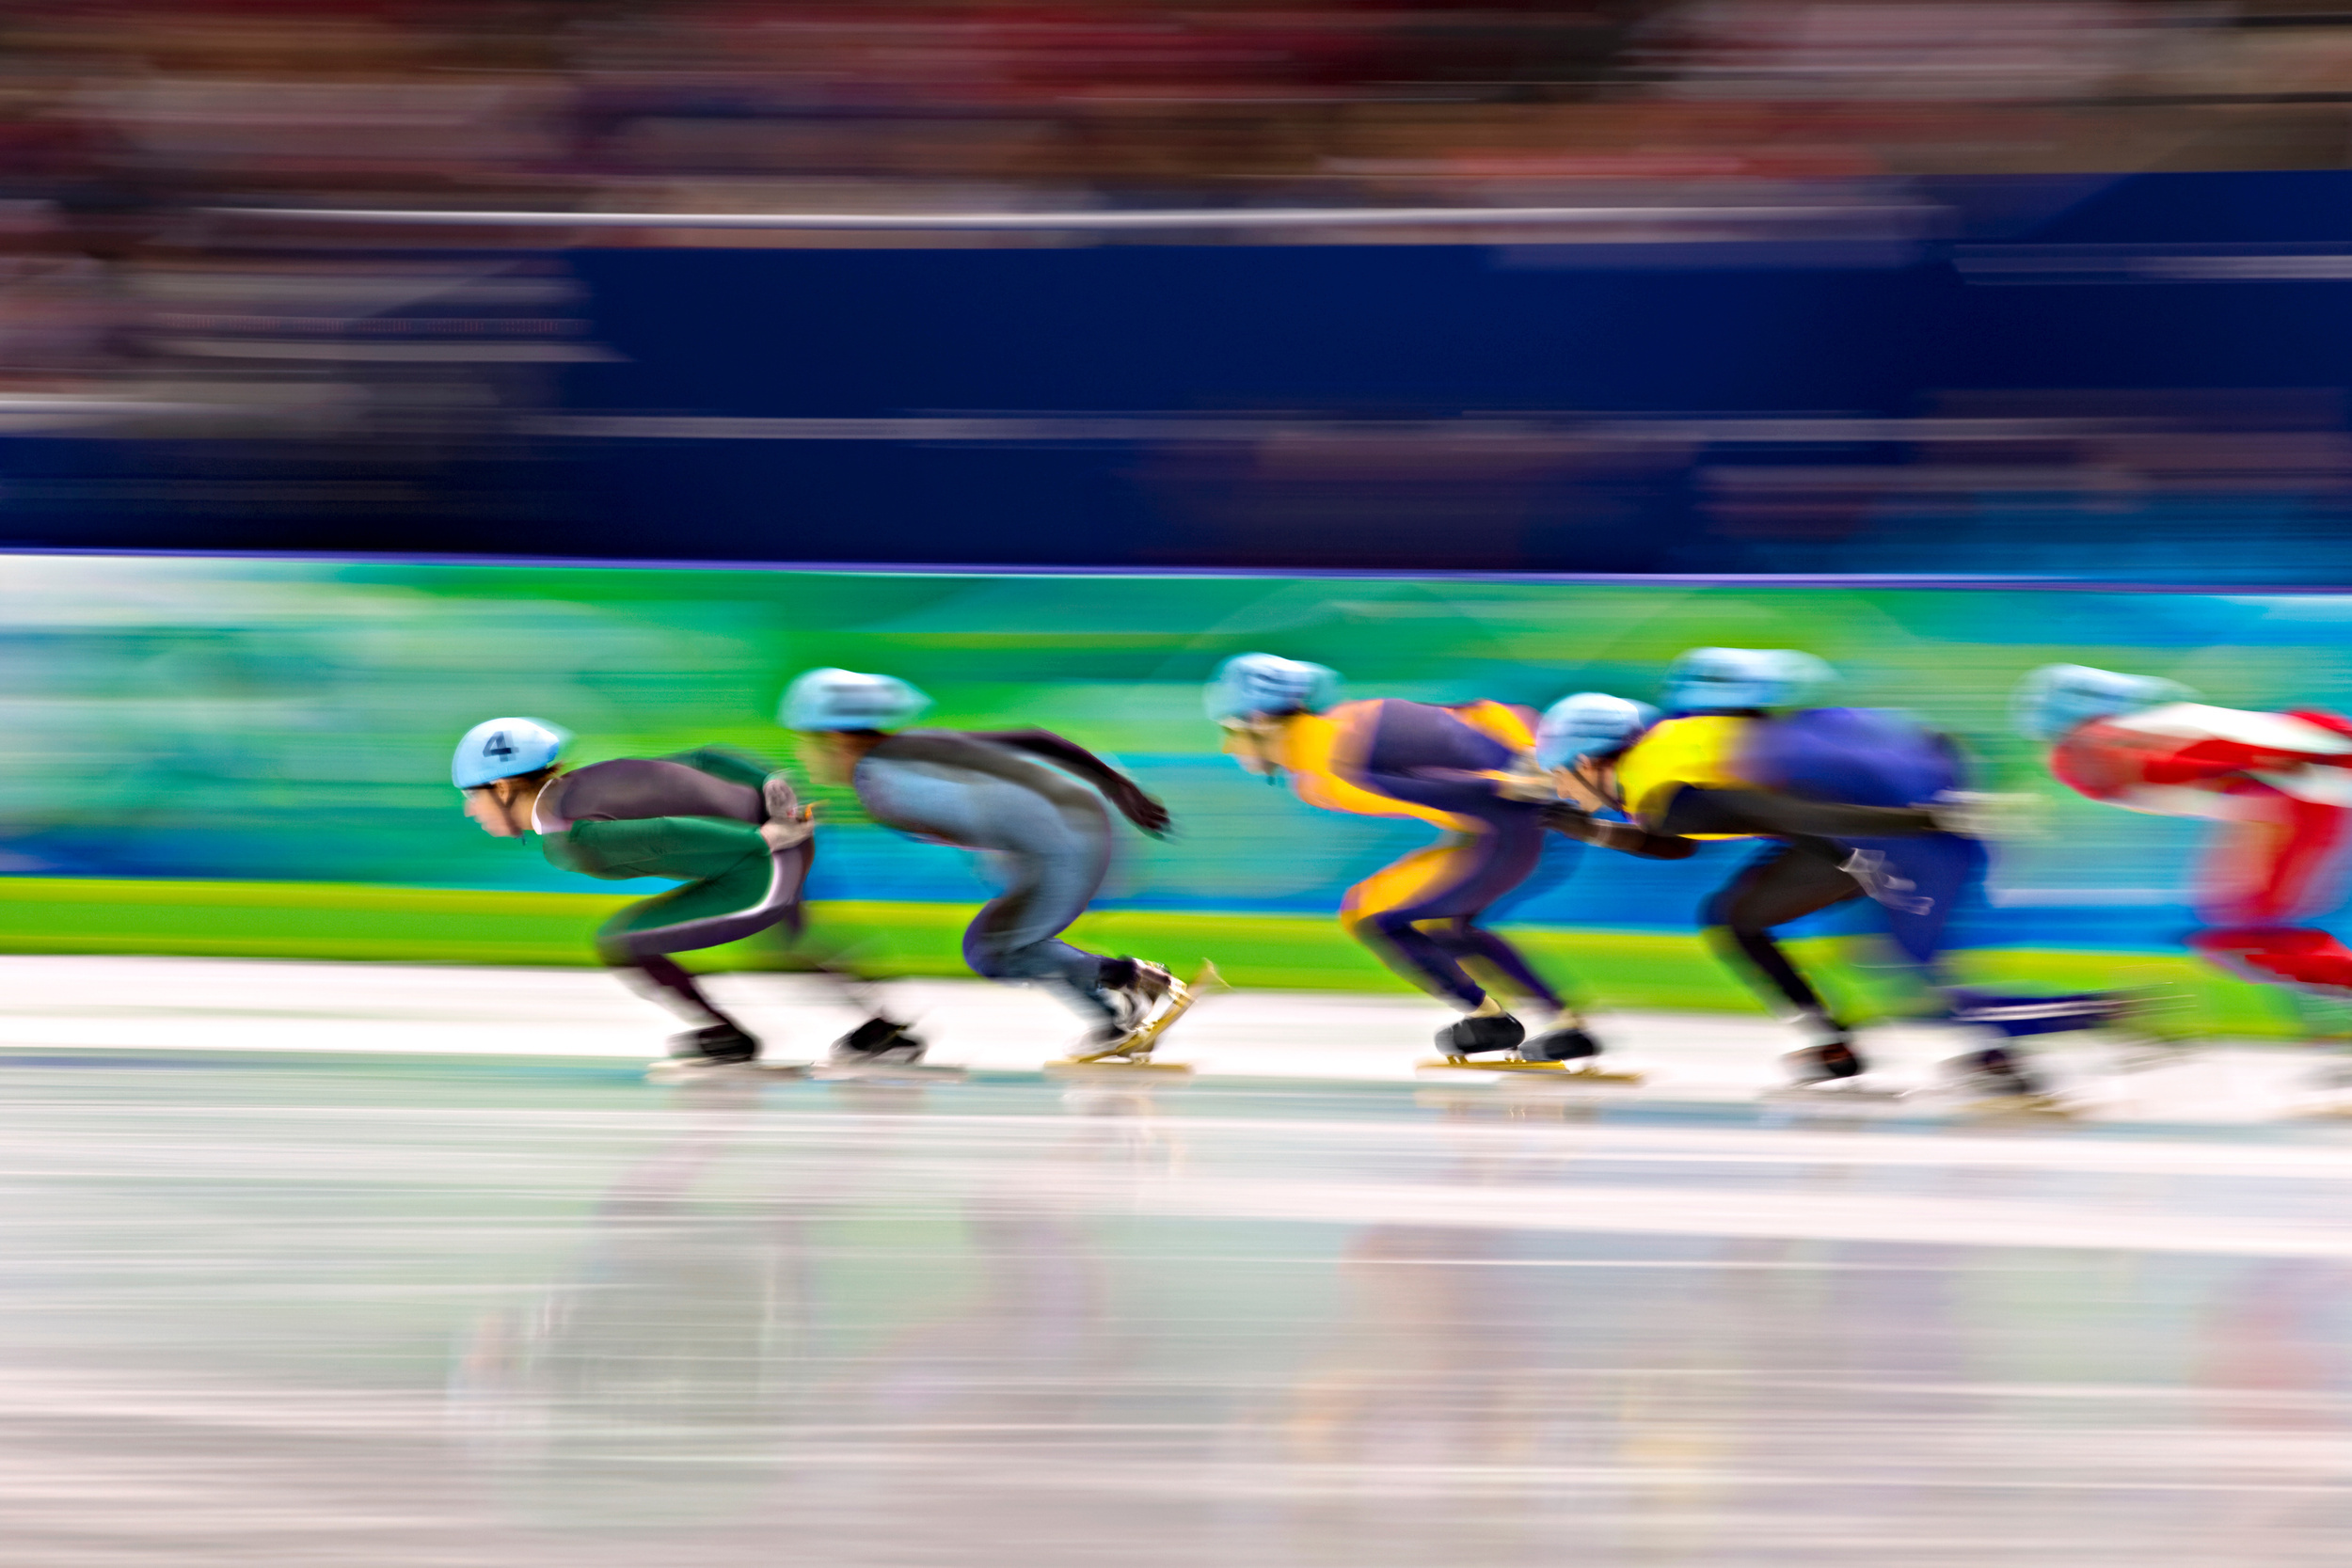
50,1002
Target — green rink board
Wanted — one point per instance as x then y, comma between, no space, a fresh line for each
1625,968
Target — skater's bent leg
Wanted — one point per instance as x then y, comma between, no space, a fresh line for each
2276,867
2299,954
663,980
1755,946
1447,882
1465,939
1016,937
1417,956
1786,883
748,898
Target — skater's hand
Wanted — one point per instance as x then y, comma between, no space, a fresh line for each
1141,810
1971,814
1525,786
784,835
1566,816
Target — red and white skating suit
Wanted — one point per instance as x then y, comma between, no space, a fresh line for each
2278,785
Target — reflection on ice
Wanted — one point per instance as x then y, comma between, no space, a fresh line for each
496,1312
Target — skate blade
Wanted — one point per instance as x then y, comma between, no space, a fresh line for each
706,1072
1114,1066
1568,1073
887,1072
1134,1054
2022,1106
1834,1091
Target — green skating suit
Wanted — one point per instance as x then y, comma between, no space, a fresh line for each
693,819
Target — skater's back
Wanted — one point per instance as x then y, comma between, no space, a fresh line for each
687,815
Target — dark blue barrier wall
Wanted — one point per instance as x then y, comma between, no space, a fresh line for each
1751,404
2172,300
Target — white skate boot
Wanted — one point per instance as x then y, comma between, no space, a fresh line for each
1145,1002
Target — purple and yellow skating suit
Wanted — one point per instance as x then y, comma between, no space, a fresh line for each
1443,765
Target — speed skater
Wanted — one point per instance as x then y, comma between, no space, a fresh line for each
1854,803
2277,785
1449,766
1016,797
726,827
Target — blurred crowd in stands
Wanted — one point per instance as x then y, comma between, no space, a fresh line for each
109,108
355,382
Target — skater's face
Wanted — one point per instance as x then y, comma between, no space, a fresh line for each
493,807
831,755
1251,742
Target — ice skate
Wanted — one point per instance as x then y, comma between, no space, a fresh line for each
2326,1090
1563,1053
1568,1049
1479,1034
1995,1082
1829,1069
1146,1004
881,1049
718,1050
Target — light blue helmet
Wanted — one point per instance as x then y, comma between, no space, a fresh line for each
845,700
1591,723
1251,684
2057,697
1707,679
501,749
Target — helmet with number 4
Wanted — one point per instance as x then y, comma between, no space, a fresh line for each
503,749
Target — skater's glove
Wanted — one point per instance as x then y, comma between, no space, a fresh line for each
1972,814
1141,810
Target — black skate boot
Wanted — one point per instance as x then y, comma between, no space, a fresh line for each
876,1042
1479,1034
715,1050
1567,1043
718,1044
1995,1073
1829,1062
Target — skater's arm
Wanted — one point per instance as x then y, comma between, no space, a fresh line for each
1121,790
1626,838
685,848
1759,810
736,768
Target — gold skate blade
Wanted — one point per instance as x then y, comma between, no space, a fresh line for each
2025,1105
1134,1053
1113,1067
1566,1071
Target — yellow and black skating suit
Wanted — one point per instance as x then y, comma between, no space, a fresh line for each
1688,778
1700,752
1440,765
